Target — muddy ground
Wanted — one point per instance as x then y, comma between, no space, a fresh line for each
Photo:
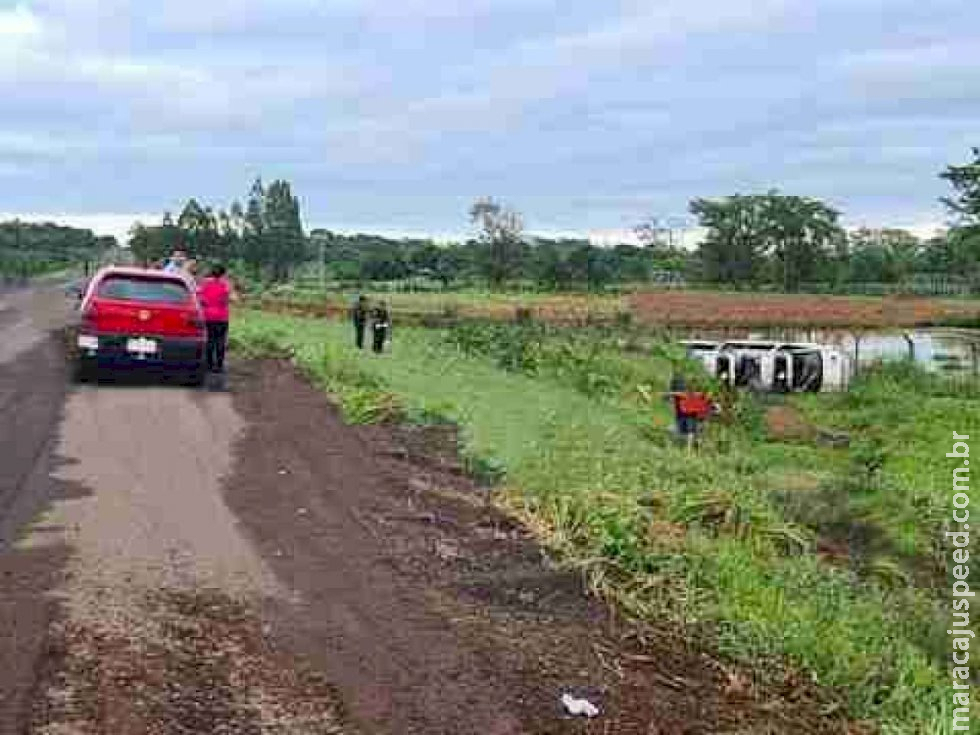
180,561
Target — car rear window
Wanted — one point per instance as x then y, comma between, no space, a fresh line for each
155,290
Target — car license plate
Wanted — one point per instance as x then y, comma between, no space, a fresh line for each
141,346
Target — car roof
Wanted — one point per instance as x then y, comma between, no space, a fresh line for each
120,270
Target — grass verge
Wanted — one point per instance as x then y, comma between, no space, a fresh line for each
728,544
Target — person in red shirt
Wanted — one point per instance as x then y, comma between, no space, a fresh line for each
216,293
691,408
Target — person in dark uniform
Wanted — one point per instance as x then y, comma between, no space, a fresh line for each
359,316
380,324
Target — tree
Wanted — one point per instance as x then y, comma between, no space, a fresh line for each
501,234
800,235
965,180
774,237
285,243
139,243
148,244
424,257
962,248
253,250
551,265
236,218
884,255
199,230
170,235
733,250
28,248
587,265
632,264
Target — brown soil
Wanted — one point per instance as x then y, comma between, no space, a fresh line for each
206,668
32,389
432,612
710,308
679,308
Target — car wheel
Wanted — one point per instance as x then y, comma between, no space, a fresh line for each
82,372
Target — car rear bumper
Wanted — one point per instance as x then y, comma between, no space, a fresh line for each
111,350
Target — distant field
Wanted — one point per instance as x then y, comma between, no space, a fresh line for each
706,308
555,308
668,308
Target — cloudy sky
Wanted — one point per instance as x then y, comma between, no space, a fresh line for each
392,116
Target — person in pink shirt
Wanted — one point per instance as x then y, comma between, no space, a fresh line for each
215,294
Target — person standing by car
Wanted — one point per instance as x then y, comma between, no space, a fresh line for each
359,317
380,324
216,293
175,264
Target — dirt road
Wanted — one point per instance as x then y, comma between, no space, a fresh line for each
181,561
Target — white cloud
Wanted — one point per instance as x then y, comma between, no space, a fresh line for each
924,226
18,22
586,115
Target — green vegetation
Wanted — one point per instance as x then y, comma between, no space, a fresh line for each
770,238
737,544
265,236
30,249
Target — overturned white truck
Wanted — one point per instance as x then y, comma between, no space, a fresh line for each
782,367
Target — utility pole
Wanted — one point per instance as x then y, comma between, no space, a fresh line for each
23,258
323,275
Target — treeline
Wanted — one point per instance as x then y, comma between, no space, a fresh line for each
794,242
555,264
771,240
28,249
265,235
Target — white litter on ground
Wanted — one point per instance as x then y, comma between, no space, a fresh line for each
579,706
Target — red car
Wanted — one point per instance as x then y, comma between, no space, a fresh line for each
137,319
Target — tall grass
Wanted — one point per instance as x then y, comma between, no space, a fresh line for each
711,542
